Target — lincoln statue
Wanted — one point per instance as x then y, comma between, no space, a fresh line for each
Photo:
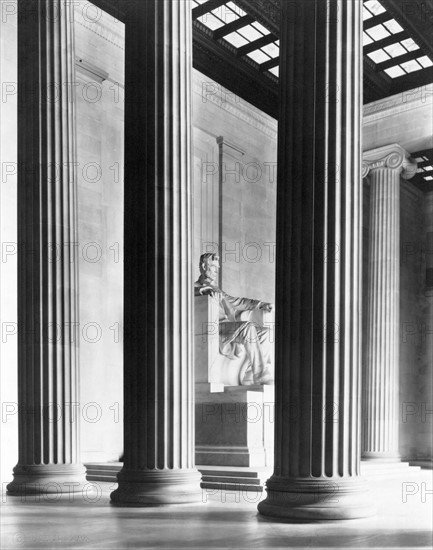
235,333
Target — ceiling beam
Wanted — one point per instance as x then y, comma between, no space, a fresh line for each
198,11
397,60
388,41
412,80
424,153
259,43
233,26
416,18
270,64
115,8
376,85
377,20
266,12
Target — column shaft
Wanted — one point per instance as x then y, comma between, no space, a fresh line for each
319,207
158,347
381,379
47,262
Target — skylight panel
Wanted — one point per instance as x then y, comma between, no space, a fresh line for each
236,39
225,14
394,72
378,32
263,30
366,39
425,61
366,14
428,168
409,44
411,66
394,50
275,71
374,7
428,178
378,56
250,33
393,26
271,49
236,9
211,21
258,56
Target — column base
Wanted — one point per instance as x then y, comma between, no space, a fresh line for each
157,487
316,499
48,479
390,456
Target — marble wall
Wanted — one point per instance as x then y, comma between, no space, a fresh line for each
100,97
416,322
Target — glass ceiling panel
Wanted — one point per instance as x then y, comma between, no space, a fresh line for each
250,33
393,26
366,14
366,39
258,56
425,61
411,66
275,71
226,14
409,44
271,49
374,7
378,32
211,21
395,50
394,72
235,8
236,39
378,56
263,30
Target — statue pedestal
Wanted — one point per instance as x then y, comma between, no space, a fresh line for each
234,427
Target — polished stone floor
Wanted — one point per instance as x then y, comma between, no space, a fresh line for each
224,520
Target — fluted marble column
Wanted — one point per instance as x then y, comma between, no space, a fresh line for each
318,271
158,375
47,262
384,166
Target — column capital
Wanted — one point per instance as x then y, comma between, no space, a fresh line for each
391,156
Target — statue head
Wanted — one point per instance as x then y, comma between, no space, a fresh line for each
209,266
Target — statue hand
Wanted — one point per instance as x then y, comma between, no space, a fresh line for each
266,306
210,291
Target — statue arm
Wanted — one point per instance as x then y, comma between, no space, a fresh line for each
243,304
247,304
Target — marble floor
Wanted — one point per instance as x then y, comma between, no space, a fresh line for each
224,520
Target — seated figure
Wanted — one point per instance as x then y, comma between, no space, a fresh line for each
233,331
